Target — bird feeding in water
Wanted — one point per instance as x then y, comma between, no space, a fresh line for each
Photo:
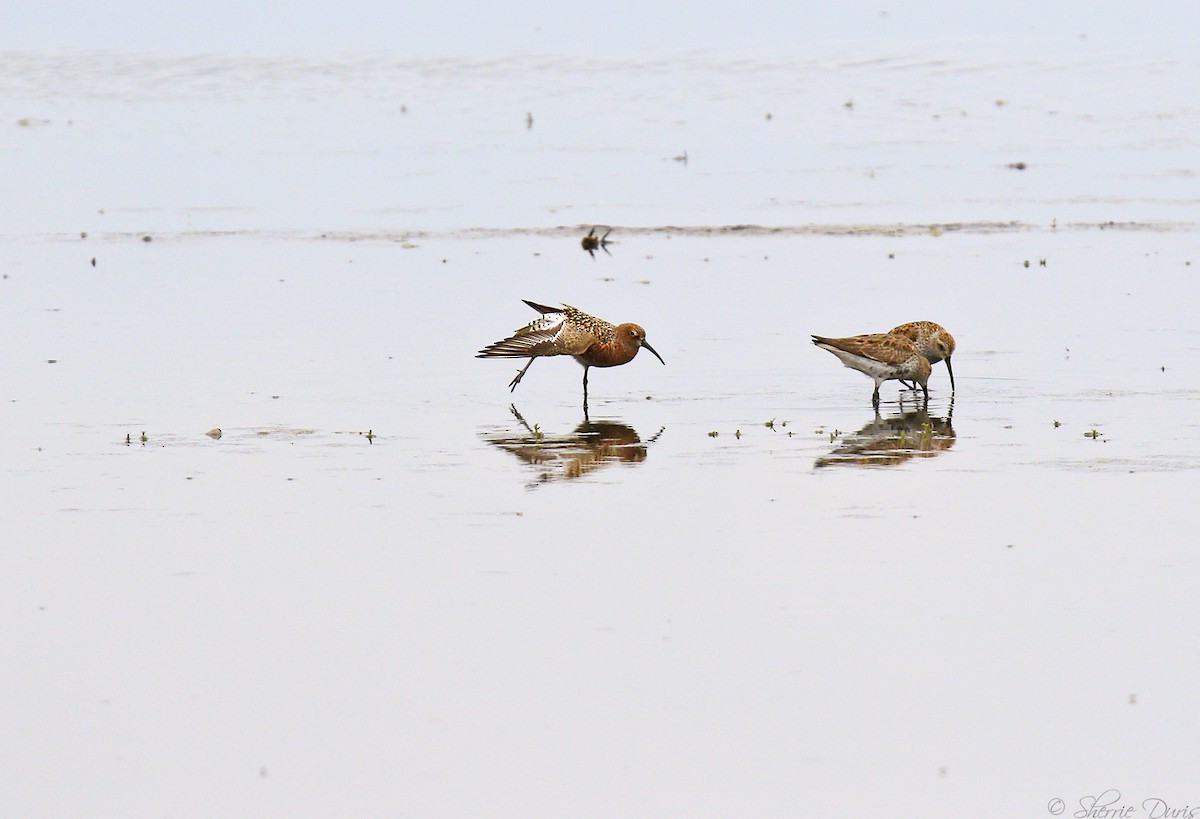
567,330
933,341
882,357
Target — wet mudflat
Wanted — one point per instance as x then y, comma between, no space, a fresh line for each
391,586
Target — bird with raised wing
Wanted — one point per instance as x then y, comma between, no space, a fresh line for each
567,330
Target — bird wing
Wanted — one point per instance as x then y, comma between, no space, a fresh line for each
883,347
559,331
539,337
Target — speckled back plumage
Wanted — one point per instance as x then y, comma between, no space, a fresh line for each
584,326
562,330
568,330
882,356
931,338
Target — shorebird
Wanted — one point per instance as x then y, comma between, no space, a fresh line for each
882,356
932,340
568,331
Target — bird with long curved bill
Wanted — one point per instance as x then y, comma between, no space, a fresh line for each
566,330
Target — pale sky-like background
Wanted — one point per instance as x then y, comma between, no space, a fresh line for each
298,223
625,28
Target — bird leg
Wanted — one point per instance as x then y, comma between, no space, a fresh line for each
875,398
585,374
512,385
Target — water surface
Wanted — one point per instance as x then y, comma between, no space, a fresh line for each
391,587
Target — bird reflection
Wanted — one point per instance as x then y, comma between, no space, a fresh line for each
891,440
591,446
591,242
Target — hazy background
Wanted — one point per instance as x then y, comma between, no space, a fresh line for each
738,592
761,30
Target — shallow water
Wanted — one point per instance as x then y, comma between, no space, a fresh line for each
392,587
